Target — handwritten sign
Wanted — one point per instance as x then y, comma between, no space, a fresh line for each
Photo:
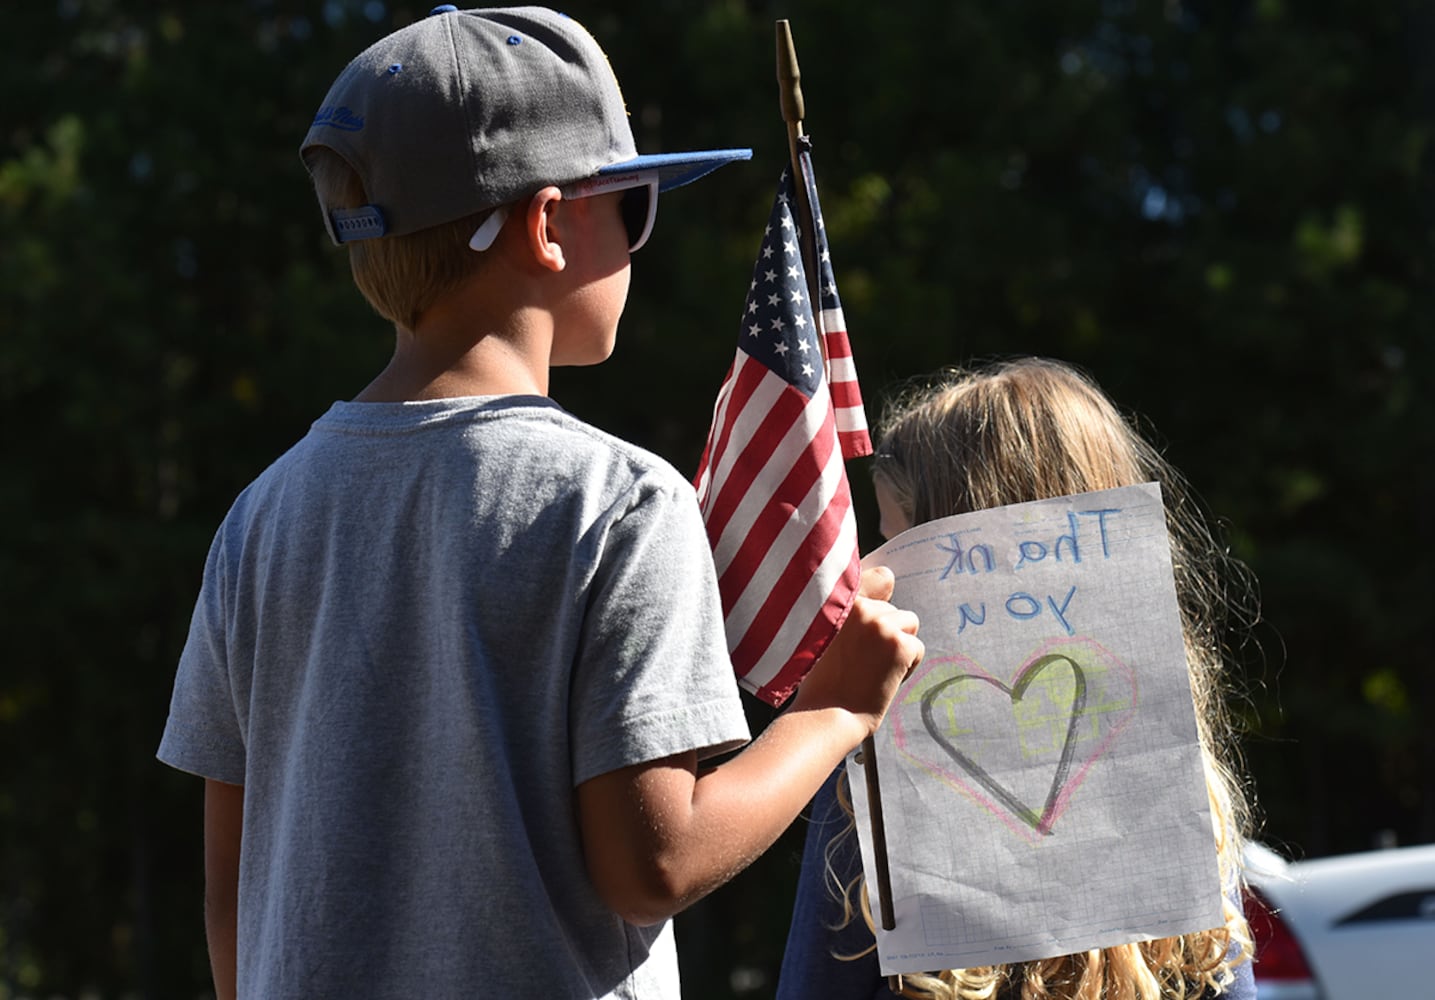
1041,776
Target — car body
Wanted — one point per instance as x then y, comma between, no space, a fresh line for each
1347,927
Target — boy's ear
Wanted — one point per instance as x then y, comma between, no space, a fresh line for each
542,232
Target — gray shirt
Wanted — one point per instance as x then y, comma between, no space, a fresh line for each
418,632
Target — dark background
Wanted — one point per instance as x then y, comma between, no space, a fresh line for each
1221,210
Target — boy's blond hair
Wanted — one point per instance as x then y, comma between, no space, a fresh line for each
401,276
1032,429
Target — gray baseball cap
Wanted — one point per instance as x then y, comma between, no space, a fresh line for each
466,110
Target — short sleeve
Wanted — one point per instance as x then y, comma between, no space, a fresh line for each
653,676
203,734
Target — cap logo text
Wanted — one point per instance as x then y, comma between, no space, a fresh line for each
340,118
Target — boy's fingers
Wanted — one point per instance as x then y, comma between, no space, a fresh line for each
893,617
877,583
917,649
912,648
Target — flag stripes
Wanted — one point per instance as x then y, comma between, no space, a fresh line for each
772,484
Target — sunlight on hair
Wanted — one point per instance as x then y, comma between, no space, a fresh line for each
1033,429
401,276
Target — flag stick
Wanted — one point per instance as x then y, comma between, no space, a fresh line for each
789,86
789,89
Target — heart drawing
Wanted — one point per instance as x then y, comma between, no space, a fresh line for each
1061,711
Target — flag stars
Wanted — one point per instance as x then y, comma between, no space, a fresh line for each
778,326
789,355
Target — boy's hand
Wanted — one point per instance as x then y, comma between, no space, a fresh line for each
866,662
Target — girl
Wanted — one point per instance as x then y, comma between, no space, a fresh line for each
1032,429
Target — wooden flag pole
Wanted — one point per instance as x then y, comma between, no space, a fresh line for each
789,85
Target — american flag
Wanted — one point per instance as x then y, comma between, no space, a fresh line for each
772,484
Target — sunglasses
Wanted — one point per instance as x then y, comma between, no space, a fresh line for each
638,206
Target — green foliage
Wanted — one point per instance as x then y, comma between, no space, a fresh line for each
1223,211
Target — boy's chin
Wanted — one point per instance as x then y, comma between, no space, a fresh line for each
596,355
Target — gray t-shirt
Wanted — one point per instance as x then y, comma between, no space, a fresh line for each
418,632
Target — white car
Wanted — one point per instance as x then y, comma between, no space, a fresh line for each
1348,927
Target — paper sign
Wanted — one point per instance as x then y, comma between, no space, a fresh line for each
1040,773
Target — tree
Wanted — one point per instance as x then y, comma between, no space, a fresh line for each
1221,210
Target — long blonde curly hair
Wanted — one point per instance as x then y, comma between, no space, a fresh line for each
1031,429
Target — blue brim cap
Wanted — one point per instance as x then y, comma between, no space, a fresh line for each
676,169
466,110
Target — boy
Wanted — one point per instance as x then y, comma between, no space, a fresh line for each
457,655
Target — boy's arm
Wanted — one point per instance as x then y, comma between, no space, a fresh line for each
660,835
223,821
